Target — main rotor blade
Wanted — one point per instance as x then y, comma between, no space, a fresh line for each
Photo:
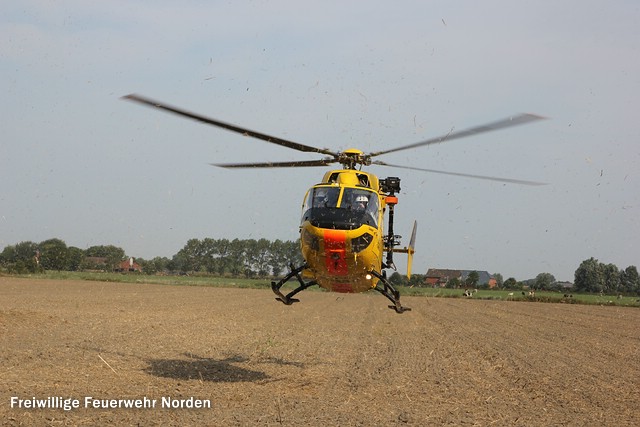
233,128
294,164
500,124
466,175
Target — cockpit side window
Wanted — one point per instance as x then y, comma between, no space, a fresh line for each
373,209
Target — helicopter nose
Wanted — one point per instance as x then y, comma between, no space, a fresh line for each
335,244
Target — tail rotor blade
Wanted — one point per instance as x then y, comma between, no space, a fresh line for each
411,250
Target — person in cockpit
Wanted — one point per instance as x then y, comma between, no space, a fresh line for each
320,198
361,202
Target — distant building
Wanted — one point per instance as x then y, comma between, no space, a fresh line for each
438,277
129,265
95,263
565,285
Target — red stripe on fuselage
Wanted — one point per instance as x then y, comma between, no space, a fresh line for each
335,243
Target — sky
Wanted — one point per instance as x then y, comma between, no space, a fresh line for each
80,164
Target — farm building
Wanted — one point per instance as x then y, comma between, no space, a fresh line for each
103,264
439,277
129,265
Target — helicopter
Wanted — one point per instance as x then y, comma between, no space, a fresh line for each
342,238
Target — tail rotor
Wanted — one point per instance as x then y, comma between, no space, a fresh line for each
411,249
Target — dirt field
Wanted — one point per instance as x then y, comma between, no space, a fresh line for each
332,359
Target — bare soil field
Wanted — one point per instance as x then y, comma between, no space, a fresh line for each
331,359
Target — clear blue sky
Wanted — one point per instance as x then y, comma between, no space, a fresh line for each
78,163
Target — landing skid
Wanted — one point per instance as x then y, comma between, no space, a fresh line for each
390,292
387,288
287,299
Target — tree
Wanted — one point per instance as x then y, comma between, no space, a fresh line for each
589,276
510,283
190,258
236,257
398,279
472,279
209,255
20,258
53,254
611,278
223,251
75,257
594,276
292,253
453,283
8,256
113,254
630,280
249,257
258,256
157,264
179,262
544,281
277,257
416,280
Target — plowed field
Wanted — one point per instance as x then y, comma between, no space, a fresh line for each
331,359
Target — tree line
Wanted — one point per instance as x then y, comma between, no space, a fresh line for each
249,257
595,276
237,257
265,258
591,276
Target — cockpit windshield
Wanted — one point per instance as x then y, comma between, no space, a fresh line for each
325,197
342,208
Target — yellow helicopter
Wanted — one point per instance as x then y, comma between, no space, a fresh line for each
342,237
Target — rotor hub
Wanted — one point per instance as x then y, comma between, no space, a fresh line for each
353,157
